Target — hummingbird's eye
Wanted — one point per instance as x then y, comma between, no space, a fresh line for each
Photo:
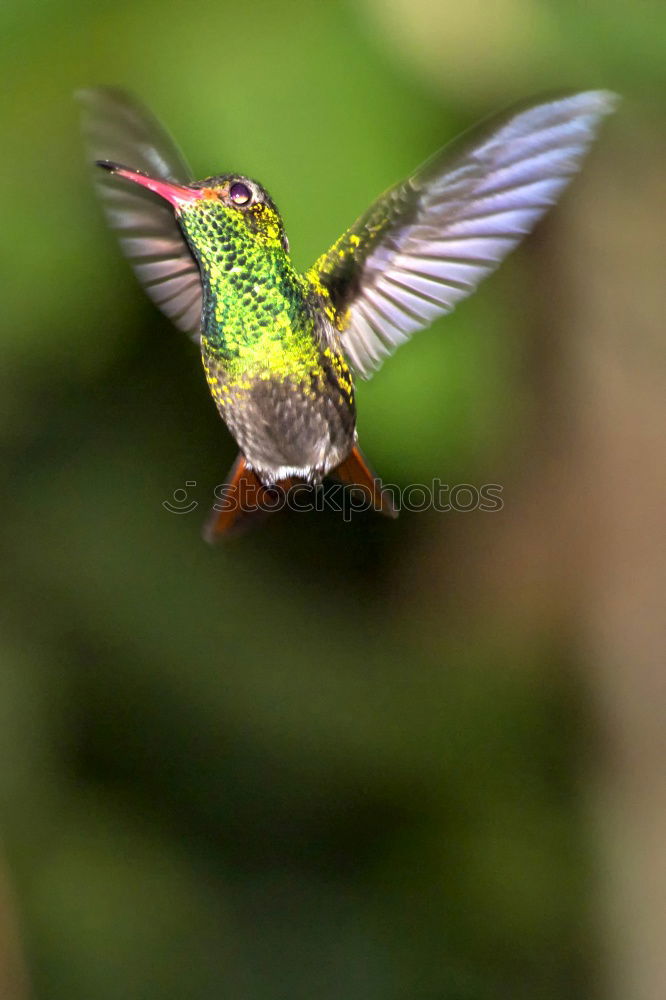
239,194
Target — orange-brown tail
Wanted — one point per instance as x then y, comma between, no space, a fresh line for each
244,500
356,472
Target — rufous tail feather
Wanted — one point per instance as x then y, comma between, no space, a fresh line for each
356,472
242,502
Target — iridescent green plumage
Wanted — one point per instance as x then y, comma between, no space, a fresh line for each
268,350
253,299
278,347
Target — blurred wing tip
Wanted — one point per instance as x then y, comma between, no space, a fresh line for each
97,90
85,95
605,100
597,103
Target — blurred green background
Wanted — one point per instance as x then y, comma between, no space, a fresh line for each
419,760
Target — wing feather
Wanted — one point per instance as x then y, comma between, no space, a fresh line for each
118,128
428,242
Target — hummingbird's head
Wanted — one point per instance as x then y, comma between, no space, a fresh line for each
225,209
240,201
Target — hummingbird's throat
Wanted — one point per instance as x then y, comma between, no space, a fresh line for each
252,296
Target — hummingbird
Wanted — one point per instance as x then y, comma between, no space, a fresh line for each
281,349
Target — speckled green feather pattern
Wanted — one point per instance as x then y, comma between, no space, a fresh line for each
269,344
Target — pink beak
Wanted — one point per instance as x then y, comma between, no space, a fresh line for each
175,194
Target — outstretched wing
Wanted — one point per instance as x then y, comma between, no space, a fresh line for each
117,127
428,242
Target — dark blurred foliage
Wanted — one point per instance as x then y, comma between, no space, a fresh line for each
328,760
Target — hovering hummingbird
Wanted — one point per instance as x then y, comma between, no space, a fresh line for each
280,349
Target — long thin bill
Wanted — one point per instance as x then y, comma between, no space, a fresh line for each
175,194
